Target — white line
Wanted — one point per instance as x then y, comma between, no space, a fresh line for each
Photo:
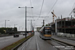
37,44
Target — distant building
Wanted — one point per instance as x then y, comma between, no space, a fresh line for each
65,25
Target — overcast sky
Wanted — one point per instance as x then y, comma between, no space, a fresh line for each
9,11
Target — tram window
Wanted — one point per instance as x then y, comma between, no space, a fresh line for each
47,31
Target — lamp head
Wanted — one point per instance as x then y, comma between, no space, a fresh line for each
19,7
31,7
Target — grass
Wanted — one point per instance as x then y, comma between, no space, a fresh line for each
9,47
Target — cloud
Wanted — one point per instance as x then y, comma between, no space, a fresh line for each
9,11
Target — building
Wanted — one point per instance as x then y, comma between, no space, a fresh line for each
65,26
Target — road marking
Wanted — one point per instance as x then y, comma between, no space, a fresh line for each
37,44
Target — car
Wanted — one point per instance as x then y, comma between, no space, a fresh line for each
16,35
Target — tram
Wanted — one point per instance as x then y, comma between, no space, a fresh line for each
45,32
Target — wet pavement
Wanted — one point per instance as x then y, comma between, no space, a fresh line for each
5,41
36,43
64,40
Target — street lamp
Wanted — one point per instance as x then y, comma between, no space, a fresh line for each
25,18
32,28
5,22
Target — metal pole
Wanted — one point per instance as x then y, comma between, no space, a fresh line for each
43,23
5,23
14,25
31,25
25,21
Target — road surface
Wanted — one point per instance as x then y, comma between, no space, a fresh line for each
36,43
5,41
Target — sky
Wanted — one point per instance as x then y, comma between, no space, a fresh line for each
9,11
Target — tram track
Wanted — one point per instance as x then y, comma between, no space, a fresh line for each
37,43
66,45
43,45
59,45
49,42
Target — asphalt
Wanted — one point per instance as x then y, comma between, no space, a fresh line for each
5,41
36,43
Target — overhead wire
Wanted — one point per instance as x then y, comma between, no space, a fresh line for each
51,9
32,13
31,10
30,2
31,6
72,9
52,6
41,8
